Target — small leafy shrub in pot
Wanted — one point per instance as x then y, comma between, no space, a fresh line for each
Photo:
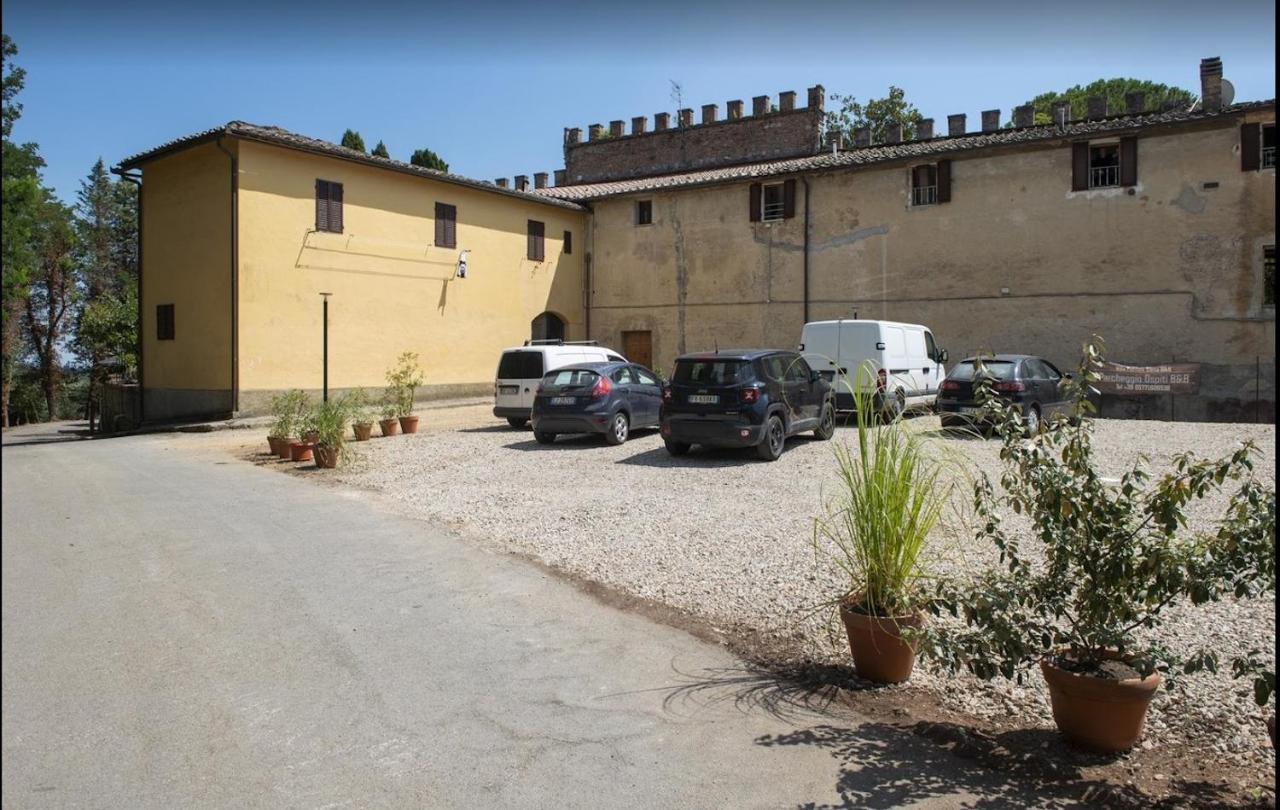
389,407
892,492
287,409
357,403
330,422
403,380
1116,555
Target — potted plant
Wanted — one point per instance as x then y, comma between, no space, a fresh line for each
285,407
358,409
330,422
1115,556
403,380
389,408
891,493
301,449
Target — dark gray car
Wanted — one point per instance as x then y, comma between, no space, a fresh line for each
1033,385
607,398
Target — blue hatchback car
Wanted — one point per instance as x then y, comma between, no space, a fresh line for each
607,398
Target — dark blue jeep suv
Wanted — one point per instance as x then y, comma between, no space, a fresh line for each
752,398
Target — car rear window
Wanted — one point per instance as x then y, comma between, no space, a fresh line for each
520,366
570,378
1000,369
712,372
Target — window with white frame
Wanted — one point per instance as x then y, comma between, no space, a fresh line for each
1104,165
1269,146
773,202
924,184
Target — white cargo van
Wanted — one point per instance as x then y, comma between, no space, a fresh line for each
900,359
521,369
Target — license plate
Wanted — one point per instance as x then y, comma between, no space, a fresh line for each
703,399
562,400
508,389
969,410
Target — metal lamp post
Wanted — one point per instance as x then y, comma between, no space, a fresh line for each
325,309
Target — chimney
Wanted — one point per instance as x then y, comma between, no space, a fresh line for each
1061,112
593,132
522,182
893,132
1024,116
862,136
617,129
709,113
1096,107
1211,84
539,179
787,101
572,136
501,182
1135,102
955,125
759,105
733,110
835,139
638,125
684,117
990,120
561,176
661,121
924,129
817,97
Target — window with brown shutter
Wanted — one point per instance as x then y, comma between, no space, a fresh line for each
537,232
446,225
924,184
328,206
567,248
164,322
1268,157
1257,147
788,199
644,212
1080,166
944,182
754,195
773,203
1128,162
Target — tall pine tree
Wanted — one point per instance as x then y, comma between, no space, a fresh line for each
352,140
380,150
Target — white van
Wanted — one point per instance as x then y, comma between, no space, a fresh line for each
521,369
906,363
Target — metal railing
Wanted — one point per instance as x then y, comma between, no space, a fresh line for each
774,211
1103,176
924,195
1268,157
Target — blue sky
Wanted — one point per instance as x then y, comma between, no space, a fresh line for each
491,86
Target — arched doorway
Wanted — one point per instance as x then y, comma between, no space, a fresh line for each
548,326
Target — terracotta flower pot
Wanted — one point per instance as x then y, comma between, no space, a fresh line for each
300,451
363,431
326,457
1101,714
409,424
274,443
311,437
389,426
282,446
880,653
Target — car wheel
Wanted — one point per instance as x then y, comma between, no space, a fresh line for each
618,430
827,426
677,448
516,422
775,436
544,438
1033,423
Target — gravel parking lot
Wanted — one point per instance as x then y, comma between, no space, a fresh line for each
728,538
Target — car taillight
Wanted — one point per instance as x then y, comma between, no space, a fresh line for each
666,394
602,387
882,380
950,385
1010,387
749,395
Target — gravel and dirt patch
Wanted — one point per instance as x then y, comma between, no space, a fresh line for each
726,539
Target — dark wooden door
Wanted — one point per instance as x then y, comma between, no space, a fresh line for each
638,348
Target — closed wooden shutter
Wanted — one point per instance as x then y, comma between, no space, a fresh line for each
1250,147
536,233
322,205
567,247
944,181
1128,161
164,322
789,199
335,207
446,225
1080,166
755,194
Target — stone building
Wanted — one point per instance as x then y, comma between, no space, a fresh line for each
1154,229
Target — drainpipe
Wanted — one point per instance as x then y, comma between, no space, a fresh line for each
136,180
235,273
806,250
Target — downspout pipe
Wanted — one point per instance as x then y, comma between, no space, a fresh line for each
806,250
235,274
136,180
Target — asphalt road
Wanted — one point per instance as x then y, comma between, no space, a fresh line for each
181,629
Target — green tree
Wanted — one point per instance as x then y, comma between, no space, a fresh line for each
380,151
429,160
52,297
1157,96
877,113
352,140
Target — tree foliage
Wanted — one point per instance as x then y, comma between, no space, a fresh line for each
878,113
1157,96
381,151
428,159
352,140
